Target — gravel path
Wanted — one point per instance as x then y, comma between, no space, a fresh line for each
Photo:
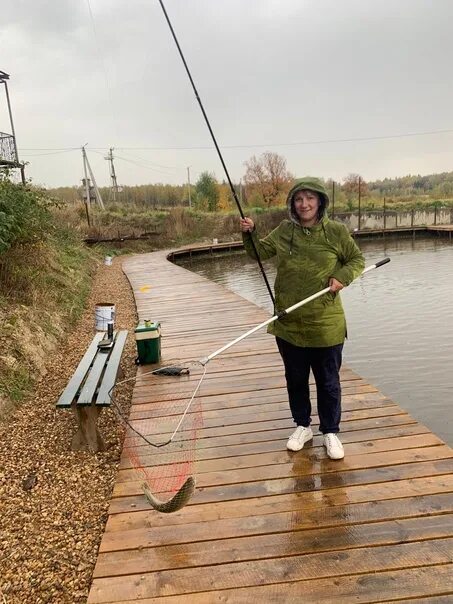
54,501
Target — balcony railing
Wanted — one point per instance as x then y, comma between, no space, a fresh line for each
8,153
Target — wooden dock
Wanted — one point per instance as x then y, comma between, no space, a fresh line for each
441,229
267,525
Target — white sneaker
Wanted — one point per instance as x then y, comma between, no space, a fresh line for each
333,445
298,438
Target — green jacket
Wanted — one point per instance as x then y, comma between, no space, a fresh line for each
306,259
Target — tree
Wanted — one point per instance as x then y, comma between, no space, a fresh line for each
224,202
207,192
268,176
351,186
445,189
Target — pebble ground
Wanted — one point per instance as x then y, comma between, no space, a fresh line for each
53,501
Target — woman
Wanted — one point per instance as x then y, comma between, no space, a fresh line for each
312,252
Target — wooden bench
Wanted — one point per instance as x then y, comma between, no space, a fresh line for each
88,390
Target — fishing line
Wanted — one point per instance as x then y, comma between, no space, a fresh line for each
162,371
230,183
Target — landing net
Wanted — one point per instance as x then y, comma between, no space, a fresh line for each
160,438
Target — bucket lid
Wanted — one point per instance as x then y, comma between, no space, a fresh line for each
149,326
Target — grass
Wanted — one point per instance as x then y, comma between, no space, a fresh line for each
16,383
178,226
181,225
43,287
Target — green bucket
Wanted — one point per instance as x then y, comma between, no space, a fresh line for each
147,336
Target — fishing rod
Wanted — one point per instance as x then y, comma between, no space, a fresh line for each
230,183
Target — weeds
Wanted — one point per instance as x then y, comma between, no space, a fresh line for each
43,286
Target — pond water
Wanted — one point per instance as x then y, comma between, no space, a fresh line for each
400,320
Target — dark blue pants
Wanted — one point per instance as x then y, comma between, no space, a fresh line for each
325,364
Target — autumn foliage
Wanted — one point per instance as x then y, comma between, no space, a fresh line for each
267,180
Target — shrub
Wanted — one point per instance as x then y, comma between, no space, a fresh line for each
24,214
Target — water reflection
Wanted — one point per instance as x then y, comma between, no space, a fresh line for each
400,320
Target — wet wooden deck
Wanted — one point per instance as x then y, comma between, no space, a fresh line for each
265,524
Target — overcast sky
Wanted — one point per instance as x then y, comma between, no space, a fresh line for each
274,75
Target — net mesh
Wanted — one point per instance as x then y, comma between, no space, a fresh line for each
159,449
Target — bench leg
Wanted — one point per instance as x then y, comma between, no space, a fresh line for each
87,437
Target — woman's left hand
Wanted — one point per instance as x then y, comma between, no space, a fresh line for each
335,286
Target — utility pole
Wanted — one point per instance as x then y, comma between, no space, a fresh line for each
360,182
87,187
333,199
113,182
86,164
188,186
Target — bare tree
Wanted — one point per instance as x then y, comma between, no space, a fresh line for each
268,176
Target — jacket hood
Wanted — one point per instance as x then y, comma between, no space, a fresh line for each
309,183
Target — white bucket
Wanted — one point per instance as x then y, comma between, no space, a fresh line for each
104,314
108,261
215,241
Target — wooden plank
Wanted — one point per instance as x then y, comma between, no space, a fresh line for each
243,398
280,408
244,389
278,535
117,560
338,488
213,420
308,511
428,600
369,438
303,466
111,371
73,386
160,433
270,572
240,403
382,586
237,370
280,456
90,386
253,406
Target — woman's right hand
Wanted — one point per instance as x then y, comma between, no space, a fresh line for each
247,225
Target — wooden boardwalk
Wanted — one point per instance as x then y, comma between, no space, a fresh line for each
265,524
442,228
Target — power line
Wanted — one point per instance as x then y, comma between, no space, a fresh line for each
150,163
50,148
130,161
256,145
56,152
294,144
143,165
